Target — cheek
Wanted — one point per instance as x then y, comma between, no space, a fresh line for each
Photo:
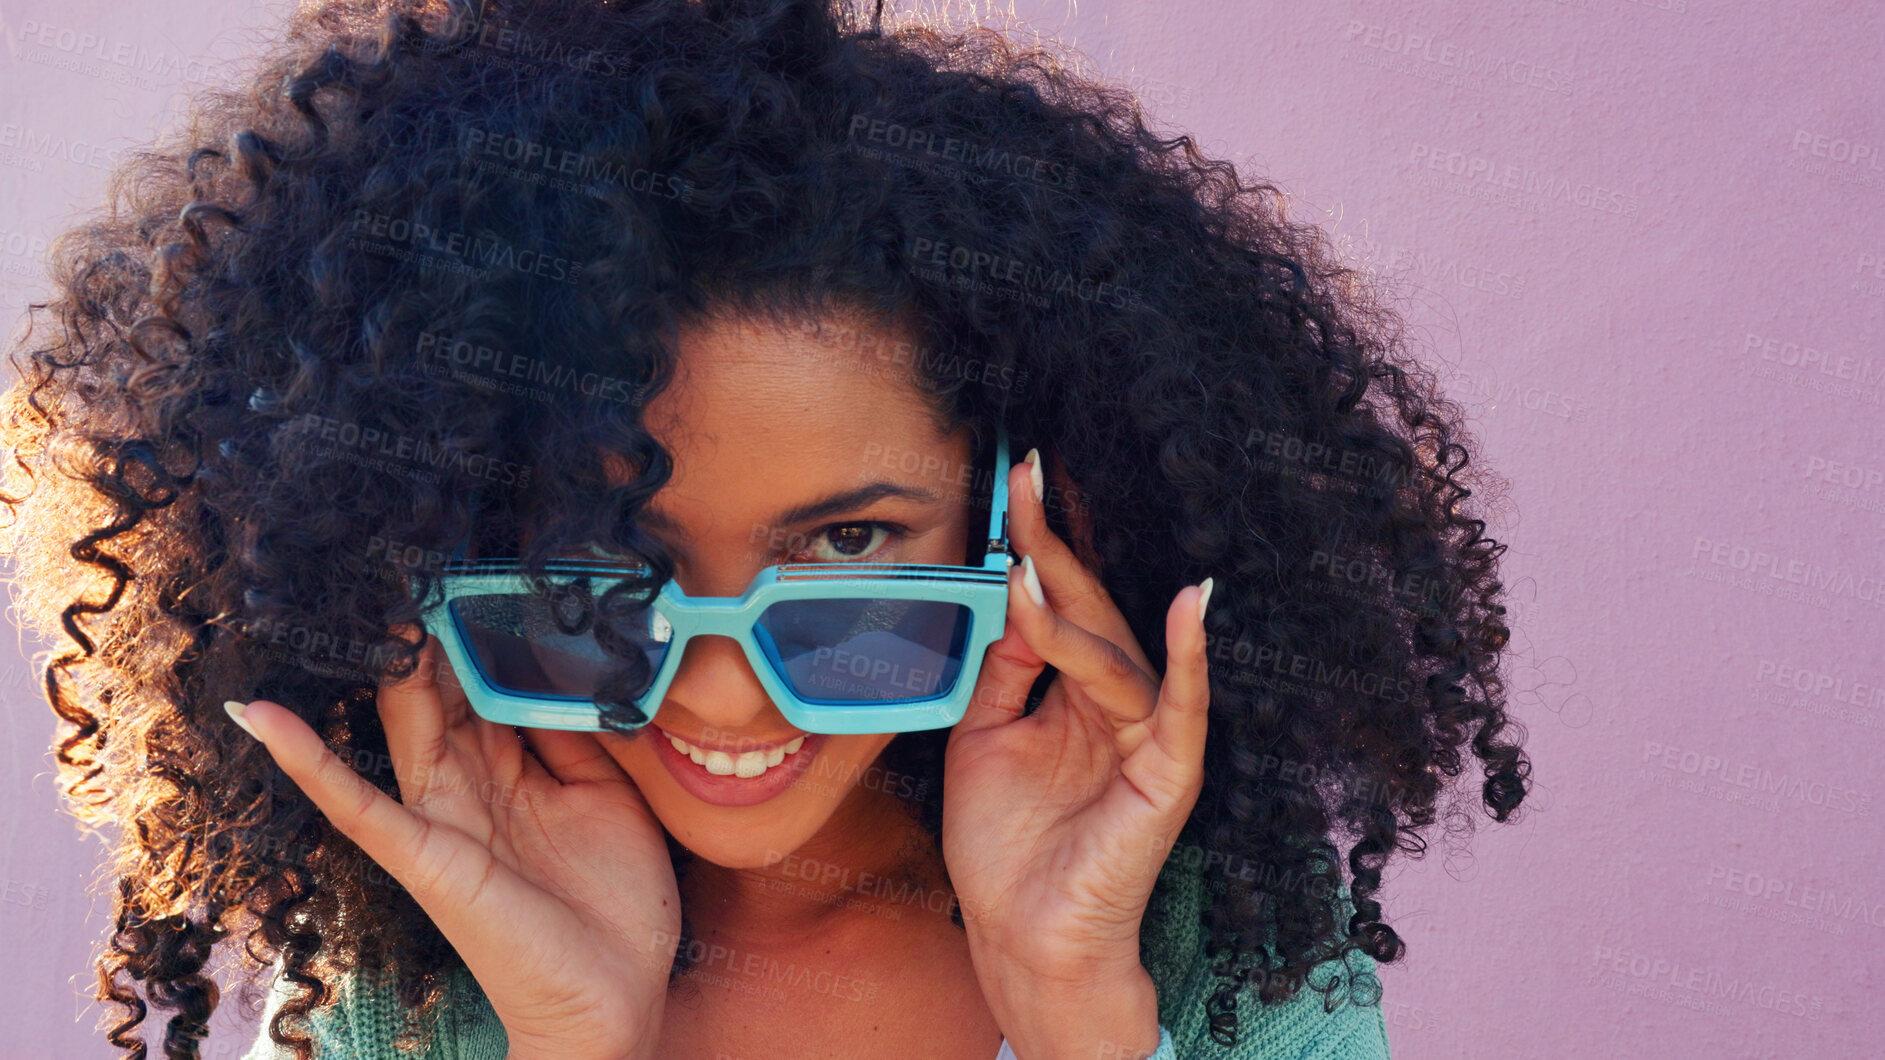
635,754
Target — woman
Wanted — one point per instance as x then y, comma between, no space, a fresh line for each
704,288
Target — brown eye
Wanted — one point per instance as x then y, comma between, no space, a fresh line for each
846,542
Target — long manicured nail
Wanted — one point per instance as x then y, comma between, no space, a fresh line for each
1204,596
1032,582
1033,460
235,707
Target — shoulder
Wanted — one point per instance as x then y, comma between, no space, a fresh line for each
366,1018
1172,941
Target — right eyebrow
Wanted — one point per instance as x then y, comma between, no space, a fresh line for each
823,508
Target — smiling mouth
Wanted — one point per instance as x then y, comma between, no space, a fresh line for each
743,764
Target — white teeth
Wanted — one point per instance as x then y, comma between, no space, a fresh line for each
747,764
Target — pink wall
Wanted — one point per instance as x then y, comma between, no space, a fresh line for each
1646,243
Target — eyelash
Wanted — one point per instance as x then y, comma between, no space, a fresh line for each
896,532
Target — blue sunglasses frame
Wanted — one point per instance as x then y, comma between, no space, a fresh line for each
982,590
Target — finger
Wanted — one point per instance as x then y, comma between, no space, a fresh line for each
1163,764
576,757
501,747
531,769
1072,589
1009,670
387,831
452,876
417,711
522,782
1102,669
1182,715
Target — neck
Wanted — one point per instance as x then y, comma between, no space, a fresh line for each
871,858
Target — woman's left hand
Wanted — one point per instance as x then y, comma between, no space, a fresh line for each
1055,824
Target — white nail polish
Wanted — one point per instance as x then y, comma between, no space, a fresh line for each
235,707
1034,474
1204,596
1032,582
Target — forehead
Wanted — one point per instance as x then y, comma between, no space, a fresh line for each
757,379
764,415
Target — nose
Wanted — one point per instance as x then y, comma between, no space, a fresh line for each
716,684
713,679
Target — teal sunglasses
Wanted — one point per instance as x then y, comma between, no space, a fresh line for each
839,647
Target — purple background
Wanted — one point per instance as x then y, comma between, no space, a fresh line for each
1644,242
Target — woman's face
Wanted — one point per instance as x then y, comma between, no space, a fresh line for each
762,422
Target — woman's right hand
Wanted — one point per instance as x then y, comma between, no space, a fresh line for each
548,873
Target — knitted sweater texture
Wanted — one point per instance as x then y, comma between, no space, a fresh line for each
362,1024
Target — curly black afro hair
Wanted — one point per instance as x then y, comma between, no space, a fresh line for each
410,192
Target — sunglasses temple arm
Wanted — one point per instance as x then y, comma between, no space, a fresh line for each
998,506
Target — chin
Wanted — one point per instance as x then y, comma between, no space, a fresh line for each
744,849
746,837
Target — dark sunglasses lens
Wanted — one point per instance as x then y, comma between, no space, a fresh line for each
528,646
857,651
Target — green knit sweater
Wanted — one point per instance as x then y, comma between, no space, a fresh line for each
361,1025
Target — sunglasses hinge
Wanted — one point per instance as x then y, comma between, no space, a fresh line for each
999,545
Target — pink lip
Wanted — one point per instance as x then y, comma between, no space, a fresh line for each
730,790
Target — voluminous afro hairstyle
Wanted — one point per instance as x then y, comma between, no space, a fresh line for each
201,511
